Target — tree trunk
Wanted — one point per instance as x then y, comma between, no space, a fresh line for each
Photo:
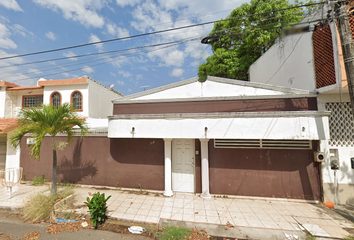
54,175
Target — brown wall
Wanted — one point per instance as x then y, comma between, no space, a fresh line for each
251,105
102,161
281,173
246,172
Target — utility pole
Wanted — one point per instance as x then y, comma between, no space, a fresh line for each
346,39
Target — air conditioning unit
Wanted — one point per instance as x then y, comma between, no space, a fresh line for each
319,156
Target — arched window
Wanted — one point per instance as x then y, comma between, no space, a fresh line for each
76,100
56,99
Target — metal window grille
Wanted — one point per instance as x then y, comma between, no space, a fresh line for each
340,124
262,143
32,101
56,99
77,100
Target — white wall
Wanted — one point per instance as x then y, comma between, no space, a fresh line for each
100,100
209,89
66,91
222,128
2,101
12,154
345,173
14,101
288,63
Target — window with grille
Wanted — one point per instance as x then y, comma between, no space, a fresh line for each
262,143
76,100
32,101
56,99
340,124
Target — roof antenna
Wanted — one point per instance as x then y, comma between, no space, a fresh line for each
146,86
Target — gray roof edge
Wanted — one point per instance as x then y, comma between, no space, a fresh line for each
156,90
258,85
95,81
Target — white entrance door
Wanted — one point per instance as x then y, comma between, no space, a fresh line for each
183,165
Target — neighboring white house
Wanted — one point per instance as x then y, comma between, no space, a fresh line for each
313,61
90,98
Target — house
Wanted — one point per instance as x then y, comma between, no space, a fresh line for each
218,137
222,137
90,99
313,61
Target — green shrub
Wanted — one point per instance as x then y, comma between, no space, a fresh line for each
97,208
40,206
39,180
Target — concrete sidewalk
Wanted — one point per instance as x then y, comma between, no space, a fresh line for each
251,217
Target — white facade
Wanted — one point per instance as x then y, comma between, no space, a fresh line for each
96,104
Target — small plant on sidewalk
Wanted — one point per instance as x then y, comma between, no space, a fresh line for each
97,208
37,181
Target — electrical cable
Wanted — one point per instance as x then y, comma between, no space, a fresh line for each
156,32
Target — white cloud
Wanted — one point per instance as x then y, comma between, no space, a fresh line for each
124,3
88,69
11,4
5,41
120,82
177,72
125,73
18,29
70,55
114,30
139,76
82,11
94,38
33,70
51,36
113,74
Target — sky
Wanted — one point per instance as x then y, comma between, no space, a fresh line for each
28,26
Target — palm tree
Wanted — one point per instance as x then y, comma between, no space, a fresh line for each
39,122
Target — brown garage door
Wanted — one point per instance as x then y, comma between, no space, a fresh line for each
2,151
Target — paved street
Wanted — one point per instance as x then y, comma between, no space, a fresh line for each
14,228
250,217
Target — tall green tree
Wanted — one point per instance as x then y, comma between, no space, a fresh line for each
39,122
247,38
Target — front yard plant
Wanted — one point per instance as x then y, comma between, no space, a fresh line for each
97,208
40,206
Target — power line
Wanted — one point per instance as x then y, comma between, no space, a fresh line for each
156,32
174,43
112,60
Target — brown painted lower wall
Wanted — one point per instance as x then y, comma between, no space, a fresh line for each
281,173
102,161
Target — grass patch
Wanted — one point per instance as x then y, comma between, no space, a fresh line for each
174,232
310,237
351,237
37,181
40,206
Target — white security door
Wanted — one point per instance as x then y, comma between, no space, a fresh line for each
183,165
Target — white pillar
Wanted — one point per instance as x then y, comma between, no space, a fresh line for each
168,167
205,168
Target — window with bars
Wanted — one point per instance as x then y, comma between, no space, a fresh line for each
56,99
32,101
76,100
340,124
262,143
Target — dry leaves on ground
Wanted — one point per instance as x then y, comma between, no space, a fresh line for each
32,236
199,234
65,227
229,225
